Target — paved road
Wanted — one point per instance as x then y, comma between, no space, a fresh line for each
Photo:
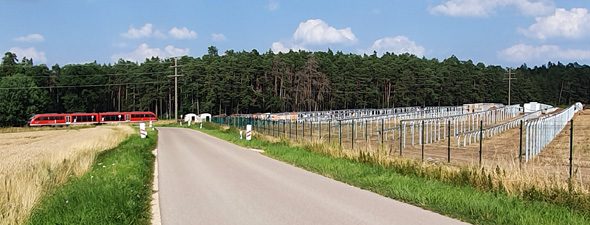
204,180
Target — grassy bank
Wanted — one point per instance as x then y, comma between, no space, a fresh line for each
116,190
416,183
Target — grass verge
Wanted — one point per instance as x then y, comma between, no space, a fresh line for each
35,163
455,200
116,190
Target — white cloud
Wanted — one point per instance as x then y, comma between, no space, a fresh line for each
218,37
182,33
31,38
272,5
484,8
543,53
397,44
316,31
144,51
569,24
30,53
159,34
144,32
277,47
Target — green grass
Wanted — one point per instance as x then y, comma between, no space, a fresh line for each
116,190
458,201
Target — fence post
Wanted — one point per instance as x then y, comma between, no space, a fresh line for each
400,139
449,142
423,140
329,131
520,146
352,134
480,139
296,125
382,131
311,130
571,146
290,124
340,131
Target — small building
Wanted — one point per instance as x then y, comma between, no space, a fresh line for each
478,107
191,117
203,117
535,106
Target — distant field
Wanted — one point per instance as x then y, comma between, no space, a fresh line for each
48,128
35,161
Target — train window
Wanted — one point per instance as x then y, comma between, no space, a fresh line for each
112,118
83,119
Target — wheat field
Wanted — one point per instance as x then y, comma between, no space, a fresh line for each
35,162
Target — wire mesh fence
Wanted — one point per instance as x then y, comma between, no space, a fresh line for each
497,138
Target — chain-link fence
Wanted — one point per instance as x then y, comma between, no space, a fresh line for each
555,145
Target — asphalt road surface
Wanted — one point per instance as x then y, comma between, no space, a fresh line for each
204,180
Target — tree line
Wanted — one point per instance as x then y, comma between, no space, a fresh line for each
253,82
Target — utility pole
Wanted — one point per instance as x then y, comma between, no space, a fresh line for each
509,83
176,75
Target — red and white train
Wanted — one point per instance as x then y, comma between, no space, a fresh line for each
55,119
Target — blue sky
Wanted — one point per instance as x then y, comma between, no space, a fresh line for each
498,32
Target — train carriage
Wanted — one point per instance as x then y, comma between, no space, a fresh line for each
114,117
47,120
142,116
54,119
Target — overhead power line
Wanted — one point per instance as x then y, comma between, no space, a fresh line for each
89,75
82,86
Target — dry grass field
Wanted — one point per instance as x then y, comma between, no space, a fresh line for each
34,162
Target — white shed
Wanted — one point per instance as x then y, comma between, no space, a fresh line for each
191,117
205,117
